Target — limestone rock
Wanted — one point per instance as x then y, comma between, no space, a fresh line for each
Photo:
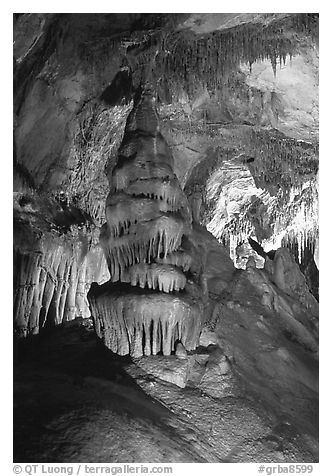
218,379
170,369
251,263
287,276
207,337
180,351
300,322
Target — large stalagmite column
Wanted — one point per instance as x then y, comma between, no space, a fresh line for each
151,300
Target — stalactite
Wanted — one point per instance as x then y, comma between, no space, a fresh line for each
302,226
123,211
177,258
64,290
122,317
281,159
26,289
58,290
52,286
70,306
80,290
36,304
148,217
163,276
188,61
283,175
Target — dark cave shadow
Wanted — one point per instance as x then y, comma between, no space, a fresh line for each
80,355
65,372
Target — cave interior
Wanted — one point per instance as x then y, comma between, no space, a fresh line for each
166,241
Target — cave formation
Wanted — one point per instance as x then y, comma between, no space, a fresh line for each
146,241
166,237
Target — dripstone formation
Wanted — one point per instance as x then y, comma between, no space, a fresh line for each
153,299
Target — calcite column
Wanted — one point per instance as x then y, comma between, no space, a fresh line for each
152,299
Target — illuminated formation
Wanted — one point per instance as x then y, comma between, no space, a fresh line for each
152,300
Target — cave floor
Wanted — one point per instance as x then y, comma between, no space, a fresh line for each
74,401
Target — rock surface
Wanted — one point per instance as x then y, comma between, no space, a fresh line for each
82,404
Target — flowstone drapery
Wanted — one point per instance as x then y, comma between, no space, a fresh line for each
153,298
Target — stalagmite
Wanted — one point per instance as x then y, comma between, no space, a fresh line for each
148,220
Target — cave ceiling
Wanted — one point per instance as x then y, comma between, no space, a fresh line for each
237,97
